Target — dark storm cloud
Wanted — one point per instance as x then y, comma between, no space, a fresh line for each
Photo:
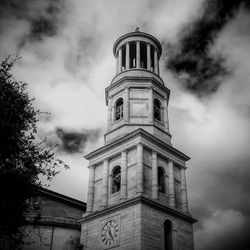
43,16
230,238
227,189
200,71
73,142
232,183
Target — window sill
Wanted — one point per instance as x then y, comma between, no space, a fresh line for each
115,194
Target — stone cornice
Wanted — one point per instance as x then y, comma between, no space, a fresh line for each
134,201
136,133
136,124
137,79
34,219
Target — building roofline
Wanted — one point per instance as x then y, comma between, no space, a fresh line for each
61,197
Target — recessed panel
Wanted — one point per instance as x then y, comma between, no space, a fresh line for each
139,109
138,93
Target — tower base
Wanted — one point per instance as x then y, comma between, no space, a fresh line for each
139,224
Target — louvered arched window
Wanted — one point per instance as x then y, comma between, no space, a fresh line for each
119,109
161,180
157,109
116,180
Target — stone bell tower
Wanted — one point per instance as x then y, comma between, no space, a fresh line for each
137,195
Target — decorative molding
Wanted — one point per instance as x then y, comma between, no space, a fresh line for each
139,200
128,137
139,124
137,79
33,219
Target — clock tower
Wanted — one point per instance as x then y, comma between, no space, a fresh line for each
137,194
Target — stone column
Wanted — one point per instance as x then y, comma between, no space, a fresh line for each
184,199
109,116
151,105
171,183
155,62
117,64
105,183
112,114
120,60
138,55
90,198
154,176
127,56
166,122
124,176
126,105
158,68
148,57
139,169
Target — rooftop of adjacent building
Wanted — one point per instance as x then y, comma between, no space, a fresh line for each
48,207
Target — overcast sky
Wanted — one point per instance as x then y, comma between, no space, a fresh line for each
67,60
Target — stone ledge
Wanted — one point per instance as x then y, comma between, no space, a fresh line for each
136,133
34,219
115,83
138,200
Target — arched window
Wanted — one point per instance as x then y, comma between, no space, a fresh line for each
161,180
168,237
116,180
157,109
119,109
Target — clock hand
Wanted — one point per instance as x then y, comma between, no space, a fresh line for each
111,236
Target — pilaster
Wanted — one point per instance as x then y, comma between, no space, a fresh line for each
126,105
90,198
184,199
154,176
109,116
166,122
139,169
105,182
171,183
150,105
124,176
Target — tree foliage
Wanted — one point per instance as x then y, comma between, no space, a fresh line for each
22,158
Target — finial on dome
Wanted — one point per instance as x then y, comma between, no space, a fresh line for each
137,29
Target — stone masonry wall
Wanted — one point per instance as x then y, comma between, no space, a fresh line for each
153,230
129,230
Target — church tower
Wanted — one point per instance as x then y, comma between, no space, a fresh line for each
137,194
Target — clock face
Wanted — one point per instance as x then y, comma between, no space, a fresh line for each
110,232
